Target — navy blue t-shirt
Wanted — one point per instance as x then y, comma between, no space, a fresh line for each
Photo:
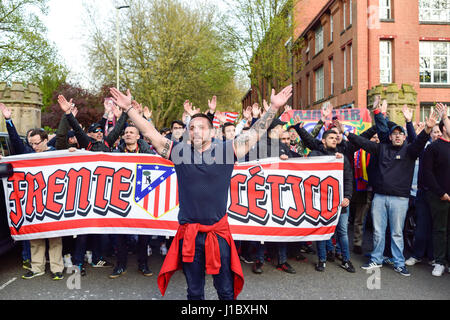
203,181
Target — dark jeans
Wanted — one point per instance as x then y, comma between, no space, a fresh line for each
423,244
98,242
440,212
122,250
195,271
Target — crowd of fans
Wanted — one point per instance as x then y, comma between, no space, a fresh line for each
388,170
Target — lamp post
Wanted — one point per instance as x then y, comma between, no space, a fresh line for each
118,44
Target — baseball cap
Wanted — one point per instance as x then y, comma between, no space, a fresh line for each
396,127
276,122
94,126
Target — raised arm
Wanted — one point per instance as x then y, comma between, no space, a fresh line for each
244,142
161,144
442,110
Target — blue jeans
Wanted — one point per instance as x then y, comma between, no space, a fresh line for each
282,252
26,253
98,243
341,239
195,271
423,243
389,209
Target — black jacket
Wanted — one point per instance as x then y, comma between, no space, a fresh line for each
436,167
394,171
90,144
143,146
348,172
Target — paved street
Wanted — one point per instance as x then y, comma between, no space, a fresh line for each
334,283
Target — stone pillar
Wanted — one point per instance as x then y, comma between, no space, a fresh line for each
396,98
25,103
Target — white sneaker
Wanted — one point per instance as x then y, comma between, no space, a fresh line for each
438,270
67,261
163,250
412,261
149,251
88,257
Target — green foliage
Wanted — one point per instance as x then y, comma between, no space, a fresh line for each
170,52
24,50
261,31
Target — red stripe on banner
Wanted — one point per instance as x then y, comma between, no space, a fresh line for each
89,158
295,166
146,202
167,202
277,231
93,223
156,208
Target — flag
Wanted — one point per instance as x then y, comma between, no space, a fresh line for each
229,117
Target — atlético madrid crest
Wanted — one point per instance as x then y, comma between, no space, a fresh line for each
156,189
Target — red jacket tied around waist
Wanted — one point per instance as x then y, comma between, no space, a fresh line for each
188,232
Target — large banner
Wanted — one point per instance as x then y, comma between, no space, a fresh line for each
356,120
56,194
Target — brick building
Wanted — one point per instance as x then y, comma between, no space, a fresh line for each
351,46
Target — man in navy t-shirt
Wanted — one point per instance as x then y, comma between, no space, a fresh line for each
204,167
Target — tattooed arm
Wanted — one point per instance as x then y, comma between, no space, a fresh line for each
246,140
161,144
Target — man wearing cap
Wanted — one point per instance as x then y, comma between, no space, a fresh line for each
394,172
94,140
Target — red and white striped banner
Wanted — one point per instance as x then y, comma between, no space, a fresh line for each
56,194
229,117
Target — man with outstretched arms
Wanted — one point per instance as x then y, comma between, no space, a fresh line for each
204,167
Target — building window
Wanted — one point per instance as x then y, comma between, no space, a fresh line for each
385,61
319,39
318,74
350,49
350,12
385,9
434,10
331,76
434,62
344,9
308,93
331,27
345,67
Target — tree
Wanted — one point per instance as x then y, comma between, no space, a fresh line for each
261,31
24,50
90,106
170,52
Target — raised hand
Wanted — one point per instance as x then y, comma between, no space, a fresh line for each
136,105
116,111
431,121
407,113
279,100
384,106
442,110
376,102
247,113
120,99
5,111
148,113
327,110
265,105
65,105
221,116
212,104
256,110
339,125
